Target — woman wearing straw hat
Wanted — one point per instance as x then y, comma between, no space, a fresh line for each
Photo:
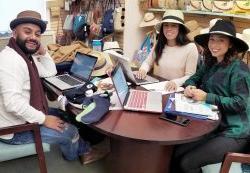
223,81
174,57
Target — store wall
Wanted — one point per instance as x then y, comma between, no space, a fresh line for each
133,35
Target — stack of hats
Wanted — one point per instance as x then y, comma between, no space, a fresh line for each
149,19
194,29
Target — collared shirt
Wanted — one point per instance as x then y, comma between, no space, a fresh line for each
228,87
15,105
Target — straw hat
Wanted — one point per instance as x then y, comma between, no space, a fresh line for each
171,16
226,28
103,62
149,19
29,16
194,29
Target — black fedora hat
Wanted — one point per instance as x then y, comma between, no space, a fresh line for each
29,16
226,28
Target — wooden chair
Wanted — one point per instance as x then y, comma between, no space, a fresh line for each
232,163
9,152
233,157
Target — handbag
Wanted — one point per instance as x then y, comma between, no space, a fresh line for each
96,107
108,22
68,22
145,48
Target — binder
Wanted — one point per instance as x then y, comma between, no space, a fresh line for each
171,109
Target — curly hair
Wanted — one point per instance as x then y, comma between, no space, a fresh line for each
181,40
229,56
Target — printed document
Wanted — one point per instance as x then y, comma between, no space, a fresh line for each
160,87
184,104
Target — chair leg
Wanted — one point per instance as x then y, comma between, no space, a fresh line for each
39,150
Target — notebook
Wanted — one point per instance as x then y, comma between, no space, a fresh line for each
135,100
128,71
79,74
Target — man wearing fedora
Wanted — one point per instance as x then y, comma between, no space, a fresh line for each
22,98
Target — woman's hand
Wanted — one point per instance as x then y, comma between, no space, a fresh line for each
141,74
199,95
171,86
109,70
188,91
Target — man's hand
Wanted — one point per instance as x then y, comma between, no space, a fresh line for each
41,50
54,122
171,86
141,74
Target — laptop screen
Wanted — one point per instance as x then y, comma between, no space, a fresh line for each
83,66
120,83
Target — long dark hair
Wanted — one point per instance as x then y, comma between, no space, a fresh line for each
181,40
229,56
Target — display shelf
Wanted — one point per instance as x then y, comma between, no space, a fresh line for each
205,13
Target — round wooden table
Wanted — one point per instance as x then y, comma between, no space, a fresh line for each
143,143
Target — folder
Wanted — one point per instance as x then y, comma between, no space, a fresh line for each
170,108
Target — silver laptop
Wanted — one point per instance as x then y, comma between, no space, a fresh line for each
128,71
80,73
135,100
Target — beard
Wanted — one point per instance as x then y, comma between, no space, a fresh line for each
22,44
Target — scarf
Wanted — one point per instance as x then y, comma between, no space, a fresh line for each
37,95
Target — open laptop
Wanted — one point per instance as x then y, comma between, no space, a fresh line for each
135,100
80,73
128,71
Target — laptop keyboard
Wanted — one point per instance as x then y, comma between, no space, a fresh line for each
69,80
137,99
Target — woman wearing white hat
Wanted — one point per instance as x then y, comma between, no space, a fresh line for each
224,81
174,57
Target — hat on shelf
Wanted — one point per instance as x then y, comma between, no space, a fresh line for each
226,28
194,29
103,62
245,36
211,24
149,19
171,16
29,16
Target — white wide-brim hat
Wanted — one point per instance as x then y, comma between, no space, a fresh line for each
171,16
149,19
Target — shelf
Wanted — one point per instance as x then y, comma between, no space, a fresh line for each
159,10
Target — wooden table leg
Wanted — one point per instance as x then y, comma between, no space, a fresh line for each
129,156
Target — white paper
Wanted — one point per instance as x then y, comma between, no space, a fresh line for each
184,104
160,87
115,103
